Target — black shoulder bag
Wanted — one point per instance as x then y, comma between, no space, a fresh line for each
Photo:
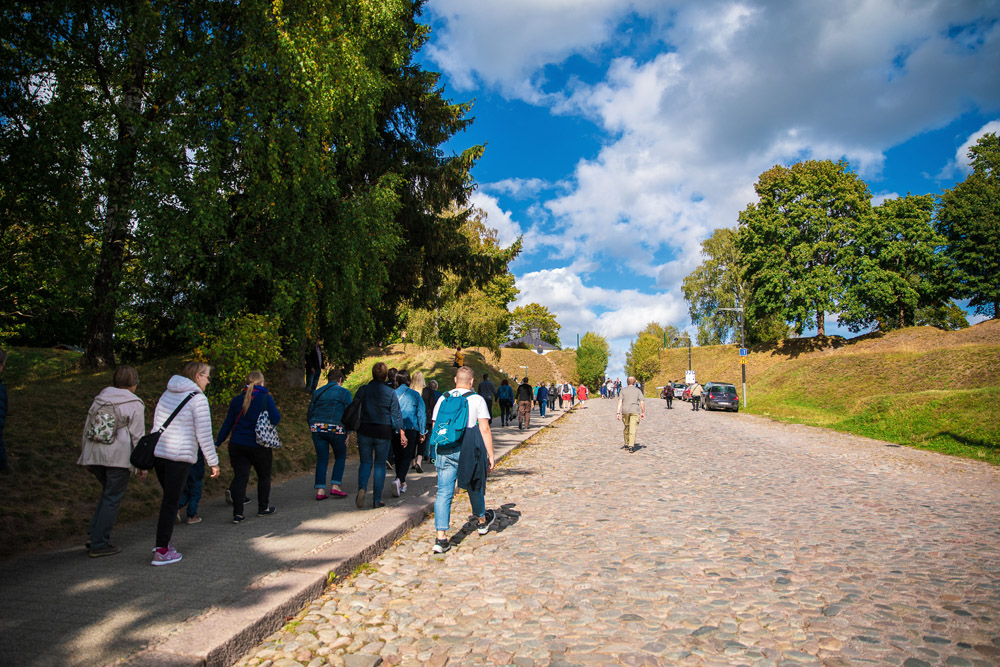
144,453
354,412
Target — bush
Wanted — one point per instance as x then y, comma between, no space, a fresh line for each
244,344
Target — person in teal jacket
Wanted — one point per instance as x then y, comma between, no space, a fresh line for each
411,407
326,410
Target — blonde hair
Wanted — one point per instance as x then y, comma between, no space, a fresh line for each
418,383
193,369
253,378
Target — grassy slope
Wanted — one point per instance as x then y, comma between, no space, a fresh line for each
919,386
49,499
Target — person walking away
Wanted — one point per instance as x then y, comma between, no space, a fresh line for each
552,396
505,397
488,391
380,418
411,409
430,394
418,385
566,396
465,462
668,395
696,391
240,427
314,366
115,422
524,397
176,450
459,360
581,395
543,398
631,409
326,410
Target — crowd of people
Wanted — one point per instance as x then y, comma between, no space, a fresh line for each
398,412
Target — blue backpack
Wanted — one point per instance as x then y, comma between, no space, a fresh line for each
452,419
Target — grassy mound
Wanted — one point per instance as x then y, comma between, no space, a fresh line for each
937,390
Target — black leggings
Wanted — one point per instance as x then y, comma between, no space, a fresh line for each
505,407
173,476
402,456
242,458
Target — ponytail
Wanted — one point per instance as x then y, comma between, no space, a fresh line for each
253,379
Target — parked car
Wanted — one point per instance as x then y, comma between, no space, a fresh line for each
720,395
679,388
686,394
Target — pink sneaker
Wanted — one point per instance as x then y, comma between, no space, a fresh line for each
165,557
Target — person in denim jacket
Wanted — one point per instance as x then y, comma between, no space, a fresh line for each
411,407
324,416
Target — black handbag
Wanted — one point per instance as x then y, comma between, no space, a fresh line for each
354,412
143,455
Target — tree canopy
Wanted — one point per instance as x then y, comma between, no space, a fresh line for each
535,316
194,162
969,219
643,357
592,359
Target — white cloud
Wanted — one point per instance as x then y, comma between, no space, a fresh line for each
507,229
517,187
961,164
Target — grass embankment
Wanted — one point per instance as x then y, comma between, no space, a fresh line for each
920,386
49,499
552,367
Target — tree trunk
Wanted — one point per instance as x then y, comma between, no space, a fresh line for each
99,337
820,323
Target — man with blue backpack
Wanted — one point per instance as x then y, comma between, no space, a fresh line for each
462,448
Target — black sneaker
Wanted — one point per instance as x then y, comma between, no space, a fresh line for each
377,504
238,518
109,550
484,527
269,511
440,546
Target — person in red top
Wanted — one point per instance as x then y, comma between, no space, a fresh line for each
581,394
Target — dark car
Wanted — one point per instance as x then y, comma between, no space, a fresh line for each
721,396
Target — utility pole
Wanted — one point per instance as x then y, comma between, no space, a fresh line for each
743,350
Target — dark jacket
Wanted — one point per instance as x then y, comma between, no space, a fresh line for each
430,400
525,392
505,393
243,427
381,416
543,394
328,404
314,359
487,390
473,461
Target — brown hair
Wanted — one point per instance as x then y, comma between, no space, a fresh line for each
124,377
380,372
335,376
253,378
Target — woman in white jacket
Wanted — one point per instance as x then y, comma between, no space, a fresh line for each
177,448
115,422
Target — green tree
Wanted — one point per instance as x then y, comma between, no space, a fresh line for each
947,316
792,241
535,316
592,359
719,282
673,336
643,357
969,218
894,267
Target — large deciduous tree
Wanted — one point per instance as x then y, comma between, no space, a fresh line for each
535,316
718,282
969,218
592,359
792,241
643,357
894,266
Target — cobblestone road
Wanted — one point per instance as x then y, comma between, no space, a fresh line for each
724,540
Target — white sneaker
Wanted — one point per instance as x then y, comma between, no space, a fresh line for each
395,488
402,488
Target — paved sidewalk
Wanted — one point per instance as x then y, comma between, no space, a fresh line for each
235,584
724,540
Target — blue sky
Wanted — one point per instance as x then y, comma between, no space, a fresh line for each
620,134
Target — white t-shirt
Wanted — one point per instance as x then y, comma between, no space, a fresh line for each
477,406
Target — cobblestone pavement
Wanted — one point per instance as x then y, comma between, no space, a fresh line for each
724,540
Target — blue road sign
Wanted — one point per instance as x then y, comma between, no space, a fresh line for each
744,352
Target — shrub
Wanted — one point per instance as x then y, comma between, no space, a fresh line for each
244,344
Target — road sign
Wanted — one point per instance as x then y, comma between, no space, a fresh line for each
743,361
689,377
744,352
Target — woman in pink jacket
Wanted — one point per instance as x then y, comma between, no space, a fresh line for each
178,447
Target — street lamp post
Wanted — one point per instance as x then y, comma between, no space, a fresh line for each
743,363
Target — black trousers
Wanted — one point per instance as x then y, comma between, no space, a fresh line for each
695,402
670,401
242,459
173,476
403,456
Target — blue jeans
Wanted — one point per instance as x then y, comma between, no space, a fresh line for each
191,495
373,451
312,379
541,408
447,472
323,442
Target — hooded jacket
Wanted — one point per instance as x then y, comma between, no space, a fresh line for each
190,430
132,411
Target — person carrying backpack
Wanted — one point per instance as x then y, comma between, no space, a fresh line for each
115,422
463,454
